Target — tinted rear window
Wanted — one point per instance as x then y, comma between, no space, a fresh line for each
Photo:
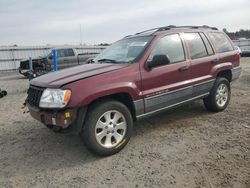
195,44
221,42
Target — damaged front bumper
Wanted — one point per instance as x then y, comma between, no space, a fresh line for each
60,118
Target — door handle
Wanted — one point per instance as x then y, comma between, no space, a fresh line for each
215,61
65,60
184,68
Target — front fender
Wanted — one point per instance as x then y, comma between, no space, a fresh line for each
127,87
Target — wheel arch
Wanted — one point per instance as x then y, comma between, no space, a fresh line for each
123,97
227,73
223,70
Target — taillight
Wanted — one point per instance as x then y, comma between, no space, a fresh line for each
237,58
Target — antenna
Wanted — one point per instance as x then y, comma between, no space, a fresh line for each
80,34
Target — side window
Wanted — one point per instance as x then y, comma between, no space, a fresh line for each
195,44
66,52
70,52
60,53
221,42
171,46
207,43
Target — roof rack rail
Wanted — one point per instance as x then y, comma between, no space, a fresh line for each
185,27
180,27
197,27
164,28
157,29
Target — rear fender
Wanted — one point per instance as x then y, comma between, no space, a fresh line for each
221,67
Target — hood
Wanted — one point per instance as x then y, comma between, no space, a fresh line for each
33,59
62,77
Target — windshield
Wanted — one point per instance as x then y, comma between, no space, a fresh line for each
123,51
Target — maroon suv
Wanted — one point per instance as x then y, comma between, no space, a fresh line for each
137,76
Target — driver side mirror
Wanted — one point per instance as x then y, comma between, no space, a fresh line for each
158,60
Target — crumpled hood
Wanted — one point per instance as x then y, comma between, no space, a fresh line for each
33,59
62,77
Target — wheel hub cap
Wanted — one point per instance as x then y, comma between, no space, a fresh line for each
110,129
222,95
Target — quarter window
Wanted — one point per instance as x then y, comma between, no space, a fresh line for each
195,44
221,42
171,46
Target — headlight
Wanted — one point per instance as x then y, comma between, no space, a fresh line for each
55,98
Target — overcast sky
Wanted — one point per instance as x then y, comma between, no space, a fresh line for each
40,22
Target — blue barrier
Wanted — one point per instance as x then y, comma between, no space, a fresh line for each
30,68
54,60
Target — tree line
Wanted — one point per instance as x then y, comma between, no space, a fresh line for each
242,33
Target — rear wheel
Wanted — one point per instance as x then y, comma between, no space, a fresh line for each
219,96
107,128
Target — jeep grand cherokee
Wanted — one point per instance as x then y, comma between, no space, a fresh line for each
137,76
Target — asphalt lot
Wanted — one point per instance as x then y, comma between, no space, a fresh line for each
184,147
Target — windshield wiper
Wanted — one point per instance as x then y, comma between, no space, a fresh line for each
107,60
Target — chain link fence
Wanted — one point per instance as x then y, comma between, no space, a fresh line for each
10,56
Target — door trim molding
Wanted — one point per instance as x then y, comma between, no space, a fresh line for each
171,106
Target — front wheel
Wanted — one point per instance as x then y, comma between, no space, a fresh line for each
107,128
219,96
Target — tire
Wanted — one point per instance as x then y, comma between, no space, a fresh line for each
219,96
107,128
4,93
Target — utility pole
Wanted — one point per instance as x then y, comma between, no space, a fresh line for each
80,34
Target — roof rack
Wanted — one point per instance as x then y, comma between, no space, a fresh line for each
174,27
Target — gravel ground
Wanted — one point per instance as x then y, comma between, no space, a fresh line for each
184,147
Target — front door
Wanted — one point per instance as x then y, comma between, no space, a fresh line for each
166,85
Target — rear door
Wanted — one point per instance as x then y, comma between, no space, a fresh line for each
71,58
203,59
61,54
166,85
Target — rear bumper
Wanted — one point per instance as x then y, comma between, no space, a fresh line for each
61,119
236,72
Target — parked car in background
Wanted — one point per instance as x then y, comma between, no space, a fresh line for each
66,57
137,76
245,51
239,50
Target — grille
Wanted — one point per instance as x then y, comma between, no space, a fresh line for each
34,95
